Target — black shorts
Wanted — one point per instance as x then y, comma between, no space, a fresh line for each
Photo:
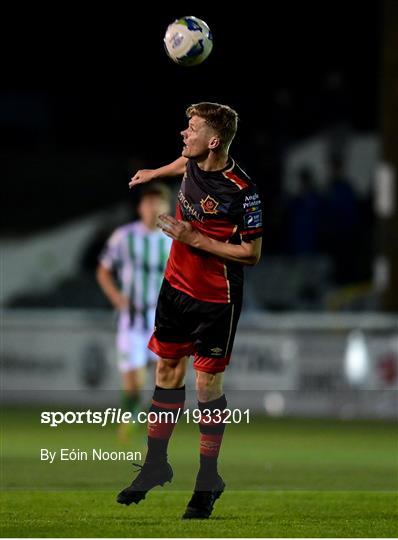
186,326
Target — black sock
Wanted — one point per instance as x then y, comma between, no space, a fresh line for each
159,432
208,467
211,434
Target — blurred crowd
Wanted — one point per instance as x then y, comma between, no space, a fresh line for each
332,220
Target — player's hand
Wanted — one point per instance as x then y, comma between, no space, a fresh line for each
141,177
178,230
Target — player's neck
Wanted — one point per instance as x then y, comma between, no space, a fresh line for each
214,162
151,226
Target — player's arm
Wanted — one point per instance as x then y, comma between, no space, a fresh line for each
247,253
108,285
176,168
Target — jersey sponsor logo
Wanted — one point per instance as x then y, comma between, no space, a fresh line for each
209,205
253,220
187,206
251,201
252,197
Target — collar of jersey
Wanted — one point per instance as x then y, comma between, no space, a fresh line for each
230,164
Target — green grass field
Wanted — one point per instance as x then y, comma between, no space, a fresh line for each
285,478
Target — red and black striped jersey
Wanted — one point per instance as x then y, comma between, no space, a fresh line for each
224,205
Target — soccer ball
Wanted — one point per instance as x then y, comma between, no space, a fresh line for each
188,41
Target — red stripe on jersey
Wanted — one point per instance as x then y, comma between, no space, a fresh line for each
238,181
219,229
197,273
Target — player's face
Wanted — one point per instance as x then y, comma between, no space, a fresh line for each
150,209
197,137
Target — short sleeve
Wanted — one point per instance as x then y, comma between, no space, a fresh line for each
111,254
250,214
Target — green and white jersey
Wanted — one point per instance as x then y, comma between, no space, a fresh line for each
139,256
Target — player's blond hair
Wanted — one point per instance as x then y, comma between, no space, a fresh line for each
222,118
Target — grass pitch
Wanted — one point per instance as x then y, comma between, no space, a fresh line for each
285,478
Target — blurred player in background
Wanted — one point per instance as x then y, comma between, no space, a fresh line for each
217,230
137,253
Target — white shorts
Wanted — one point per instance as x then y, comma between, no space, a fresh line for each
132,342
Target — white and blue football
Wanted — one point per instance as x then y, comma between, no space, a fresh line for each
188,41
